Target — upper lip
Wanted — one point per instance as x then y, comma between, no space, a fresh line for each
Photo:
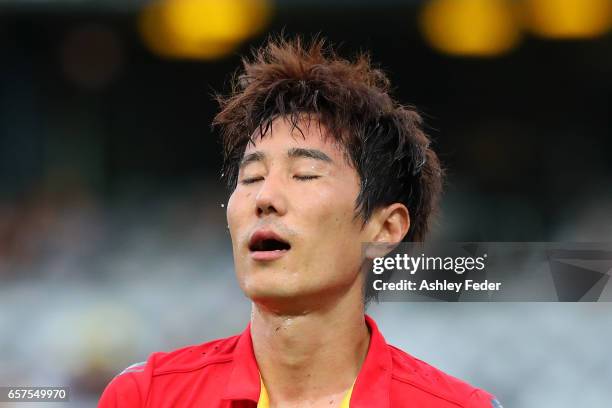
260,236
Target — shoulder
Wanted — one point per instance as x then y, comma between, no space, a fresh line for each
432,384
193,357
132,385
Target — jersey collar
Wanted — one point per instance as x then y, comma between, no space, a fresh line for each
373,383
244,381
371,388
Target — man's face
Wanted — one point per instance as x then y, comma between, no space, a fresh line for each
292,218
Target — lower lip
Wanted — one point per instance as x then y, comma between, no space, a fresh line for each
268,255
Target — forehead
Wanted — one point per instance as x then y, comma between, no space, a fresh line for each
283,135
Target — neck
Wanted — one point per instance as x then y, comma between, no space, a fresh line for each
313,356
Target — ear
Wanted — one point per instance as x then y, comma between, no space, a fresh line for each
391,223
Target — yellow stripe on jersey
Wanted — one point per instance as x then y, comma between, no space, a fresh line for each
264,400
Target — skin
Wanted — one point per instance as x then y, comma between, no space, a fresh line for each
307,324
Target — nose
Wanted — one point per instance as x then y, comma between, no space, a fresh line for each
271,197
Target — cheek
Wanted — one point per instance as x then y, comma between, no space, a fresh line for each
230,211
332,210
236,210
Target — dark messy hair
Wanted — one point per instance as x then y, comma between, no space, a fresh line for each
382,139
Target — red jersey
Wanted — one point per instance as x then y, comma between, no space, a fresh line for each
224,374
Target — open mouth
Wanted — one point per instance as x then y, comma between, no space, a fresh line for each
267,246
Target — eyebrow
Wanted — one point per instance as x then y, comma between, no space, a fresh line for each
295,152
309,154
251,158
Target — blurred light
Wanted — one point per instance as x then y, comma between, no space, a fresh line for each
471,27
201,29
568,18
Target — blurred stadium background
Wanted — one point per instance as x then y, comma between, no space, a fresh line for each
113,239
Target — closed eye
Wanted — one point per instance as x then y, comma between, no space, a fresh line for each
251,180
308,177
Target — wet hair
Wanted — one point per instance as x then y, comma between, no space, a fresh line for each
382,139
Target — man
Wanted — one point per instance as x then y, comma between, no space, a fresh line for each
320,159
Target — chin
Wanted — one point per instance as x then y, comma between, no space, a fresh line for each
263,292
277,296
